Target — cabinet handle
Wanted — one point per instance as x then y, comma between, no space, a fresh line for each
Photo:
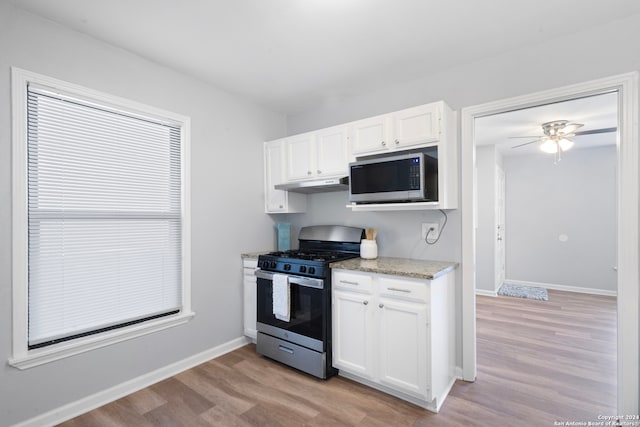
384,144
308,172
349,282
365,302
380,305
319,172
397,142
281,206
408,291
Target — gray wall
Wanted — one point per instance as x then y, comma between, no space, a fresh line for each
575,198
227,207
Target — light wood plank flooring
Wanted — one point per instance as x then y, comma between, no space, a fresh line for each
538,362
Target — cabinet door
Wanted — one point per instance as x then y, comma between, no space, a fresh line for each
331,152
403,346
416,126
370,135
250,307
300,157
275,200
353,333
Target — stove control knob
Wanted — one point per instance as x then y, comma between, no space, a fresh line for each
312,270
303,269
287,267
273,264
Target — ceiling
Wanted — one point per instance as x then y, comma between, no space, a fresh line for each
293,55
594,112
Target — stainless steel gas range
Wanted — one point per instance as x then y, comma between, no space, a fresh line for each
294,298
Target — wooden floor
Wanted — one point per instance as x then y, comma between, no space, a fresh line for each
538,362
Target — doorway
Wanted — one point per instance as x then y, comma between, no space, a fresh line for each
627,233
562,212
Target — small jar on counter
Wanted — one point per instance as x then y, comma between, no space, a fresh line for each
368,249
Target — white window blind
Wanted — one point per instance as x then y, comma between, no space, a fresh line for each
104,217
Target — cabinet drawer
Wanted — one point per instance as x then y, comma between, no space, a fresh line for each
404,289
250,263
352,282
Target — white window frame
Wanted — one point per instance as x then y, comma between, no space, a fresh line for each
22,357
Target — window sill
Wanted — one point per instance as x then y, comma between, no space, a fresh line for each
59,351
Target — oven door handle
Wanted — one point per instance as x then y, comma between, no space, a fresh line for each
308,282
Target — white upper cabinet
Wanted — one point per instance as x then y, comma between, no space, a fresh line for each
370,135
278,201
410,128
430,125
300,156
332,146
417,126
319,154
326,153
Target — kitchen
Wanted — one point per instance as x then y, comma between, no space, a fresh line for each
228,220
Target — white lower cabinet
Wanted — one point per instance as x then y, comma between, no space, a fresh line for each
352,341
403,355
250,308
396,334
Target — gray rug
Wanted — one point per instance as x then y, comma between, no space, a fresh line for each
519,291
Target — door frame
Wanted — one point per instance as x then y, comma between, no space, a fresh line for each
499,228
628,249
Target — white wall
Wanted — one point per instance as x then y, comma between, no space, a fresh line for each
488,158
399,233
599,52
227,207
575,198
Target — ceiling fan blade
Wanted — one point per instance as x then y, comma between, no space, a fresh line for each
570,128
526,143
596,131
530,136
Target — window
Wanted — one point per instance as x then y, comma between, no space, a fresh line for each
101,228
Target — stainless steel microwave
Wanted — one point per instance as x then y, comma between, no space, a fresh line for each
409,177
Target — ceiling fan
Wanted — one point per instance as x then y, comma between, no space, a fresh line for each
557,134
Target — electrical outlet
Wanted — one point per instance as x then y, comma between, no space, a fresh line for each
431,229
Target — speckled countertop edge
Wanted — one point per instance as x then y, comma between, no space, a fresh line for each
415,268
254,254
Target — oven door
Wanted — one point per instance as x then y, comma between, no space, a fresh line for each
308,311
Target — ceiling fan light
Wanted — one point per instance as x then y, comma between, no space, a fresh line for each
549,146
565,144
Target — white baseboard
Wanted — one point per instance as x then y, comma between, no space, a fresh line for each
486,293
565,288
79,407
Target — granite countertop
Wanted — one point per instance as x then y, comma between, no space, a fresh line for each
253,255
415,268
